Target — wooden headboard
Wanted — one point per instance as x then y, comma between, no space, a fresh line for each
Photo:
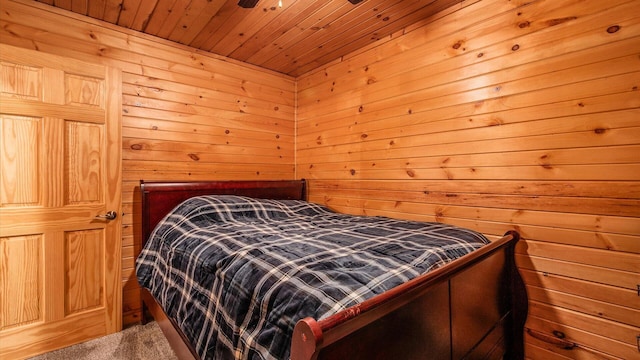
158,198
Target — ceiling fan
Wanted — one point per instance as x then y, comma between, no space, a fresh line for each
252,3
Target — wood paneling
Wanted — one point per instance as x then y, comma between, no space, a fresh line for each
501,115
293,38
186,115
489,114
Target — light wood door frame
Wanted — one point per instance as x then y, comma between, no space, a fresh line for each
60,171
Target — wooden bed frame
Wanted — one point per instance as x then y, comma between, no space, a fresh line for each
472,308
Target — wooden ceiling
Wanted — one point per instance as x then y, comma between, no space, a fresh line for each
300,36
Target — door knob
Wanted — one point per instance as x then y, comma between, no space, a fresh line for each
110,215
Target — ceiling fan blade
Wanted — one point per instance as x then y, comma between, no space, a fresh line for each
247,3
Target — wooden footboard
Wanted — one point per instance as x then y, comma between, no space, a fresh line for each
472,308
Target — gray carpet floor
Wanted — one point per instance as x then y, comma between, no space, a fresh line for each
140,342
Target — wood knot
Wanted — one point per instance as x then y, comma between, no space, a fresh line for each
558,21
194,157
515,47
136,146
411,173
599,130
559,334
364,136
496,122
361,108
457,45
352,171
524,24
613,29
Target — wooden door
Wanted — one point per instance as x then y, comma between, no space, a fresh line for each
60,171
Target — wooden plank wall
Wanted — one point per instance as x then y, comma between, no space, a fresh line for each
495,115
186,115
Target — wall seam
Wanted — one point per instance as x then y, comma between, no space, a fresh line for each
295,129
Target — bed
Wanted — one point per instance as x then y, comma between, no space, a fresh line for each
473,307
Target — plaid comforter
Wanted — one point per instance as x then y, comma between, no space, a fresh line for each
237,273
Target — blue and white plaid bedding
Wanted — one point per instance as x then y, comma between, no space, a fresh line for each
237,273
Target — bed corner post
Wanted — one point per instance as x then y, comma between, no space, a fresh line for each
519,304
304,189
306,340
144,309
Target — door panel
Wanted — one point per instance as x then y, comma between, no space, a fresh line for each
60,144
84,257
19,155
83,149
22,290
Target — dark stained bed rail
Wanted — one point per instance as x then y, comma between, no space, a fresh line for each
472,308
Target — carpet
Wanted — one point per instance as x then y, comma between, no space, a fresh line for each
139,342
